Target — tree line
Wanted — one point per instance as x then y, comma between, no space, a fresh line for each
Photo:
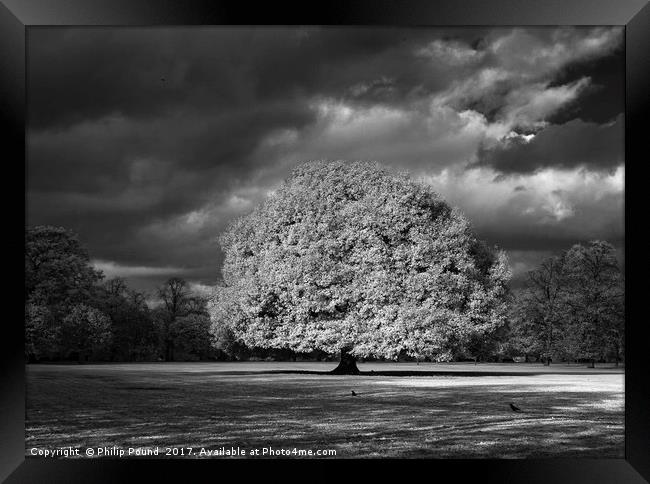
73,313
344,259
570,309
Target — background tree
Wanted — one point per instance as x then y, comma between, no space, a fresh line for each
182,310
57,268
595,300
527,336
132,327
192,337
540,309
174,295
573,305
58,276
70,313
83,331
349,258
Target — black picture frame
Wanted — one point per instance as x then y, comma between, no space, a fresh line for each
16,16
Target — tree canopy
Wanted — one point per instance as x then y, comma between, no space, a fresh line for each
573,305
57,267
595,299
351,257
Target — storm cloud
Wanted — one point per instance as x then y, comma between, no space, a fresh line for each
569,145
148,141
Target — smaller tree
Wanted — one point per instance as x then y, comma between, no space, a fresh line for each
174,295
524,331
539,308
58,272
573,305
84,331
192,337
594,300
132,328
179,303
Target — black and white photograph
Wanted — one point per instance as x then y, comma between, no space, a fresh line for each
325,242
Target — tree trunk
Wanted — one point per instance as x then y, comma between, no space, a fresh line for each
347,365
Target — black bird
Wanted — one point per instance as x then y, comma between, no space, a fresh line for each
515,408
353,393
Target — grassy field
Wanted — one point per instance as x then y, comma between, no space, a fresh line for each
460,410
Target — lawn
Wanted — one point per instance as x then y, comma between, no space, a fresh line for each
458,410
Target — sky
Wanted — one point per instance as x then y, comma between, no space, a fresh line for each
147,142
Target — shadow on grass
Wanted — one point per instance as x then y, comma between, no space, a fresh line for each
404,373
387,418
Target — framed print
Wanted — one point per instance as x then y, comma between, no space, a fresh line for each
359,232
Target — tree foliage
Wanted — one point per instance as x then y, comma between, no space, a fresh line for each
191,335
541,309
58,277
84,331
57,268
183,322
350,256
595,300
573,305
132,327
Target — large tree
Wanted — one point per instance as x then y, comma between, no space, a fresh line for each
350,258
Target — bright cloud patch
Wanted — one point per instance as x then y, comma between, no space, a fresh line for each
557,200
112,269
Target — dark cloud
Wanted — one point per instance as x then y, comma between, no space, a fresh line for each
573,144
82,74
148,141
603,100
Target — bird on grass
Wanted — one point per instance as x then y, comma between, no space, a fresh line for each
515,408
354,394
